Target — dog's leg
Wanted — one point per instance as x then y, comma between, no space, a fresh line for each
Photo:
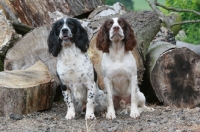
91,91
110,108
134,89
141,102
68,99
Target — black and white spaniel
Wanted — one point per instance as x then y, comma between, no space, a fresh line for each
116,39
68,41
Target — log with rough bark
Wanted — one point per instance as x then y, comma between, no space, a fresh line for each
26,91
8,37
193,47
30,49
8,10
174,74
38,13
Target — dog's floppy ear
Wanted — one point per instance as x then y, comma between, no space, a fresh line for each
81,37
130,41
54,43
103,42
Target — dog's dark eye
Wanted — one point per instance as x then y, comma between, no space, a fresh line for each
121,23
71,24
59,25
109,24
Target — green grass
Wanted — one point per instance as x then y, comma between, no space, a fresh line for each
143,5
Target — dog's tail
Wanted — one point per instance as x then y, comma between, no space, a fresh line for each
100,100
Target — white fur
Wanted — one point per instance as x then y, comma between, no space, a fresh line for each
75,70
112,32
120,75
65,26
76,73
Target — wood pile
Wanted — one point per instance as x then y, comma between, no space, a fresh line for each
172,72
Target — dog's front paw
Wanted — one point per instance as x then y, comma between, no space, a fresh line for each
90,116
134,114
70,115
110,115
150,109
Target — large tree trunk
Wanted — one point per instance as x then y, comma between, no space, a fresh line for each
37,13
25,91
174,74
7,38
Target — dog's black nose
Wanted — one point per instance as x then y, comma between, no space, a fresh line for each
64,30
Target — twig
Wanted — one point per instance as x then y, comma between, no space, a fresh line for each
153,6
185,22
177,10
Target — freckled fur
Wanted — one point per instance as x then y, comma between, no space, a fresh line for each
68,41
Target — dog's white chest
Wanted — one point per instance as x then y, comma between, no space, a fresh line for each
120,72
74,68
114,68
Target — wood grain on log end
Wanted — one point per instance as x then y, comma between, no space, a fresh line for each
175,78
26,91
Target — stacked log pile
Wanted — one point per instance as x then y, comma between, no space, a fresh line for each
33,47
173,72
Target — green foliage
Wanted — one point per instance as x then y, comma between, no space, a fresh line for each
127,3
192,30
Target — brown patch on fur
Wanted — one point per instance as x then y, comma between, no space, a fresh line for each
103,41
118,101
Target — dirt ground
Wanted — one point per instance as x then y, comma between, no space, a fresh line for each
163,119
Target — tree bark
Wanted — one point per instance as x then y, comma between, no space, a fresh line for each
26,91
174,74
8,10
38,13
8,37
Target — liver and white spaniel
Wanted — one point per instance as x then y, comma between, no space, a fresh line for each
116,39
68,41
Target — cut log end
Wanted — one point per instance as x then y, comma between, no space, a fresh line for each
175,78
26,91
